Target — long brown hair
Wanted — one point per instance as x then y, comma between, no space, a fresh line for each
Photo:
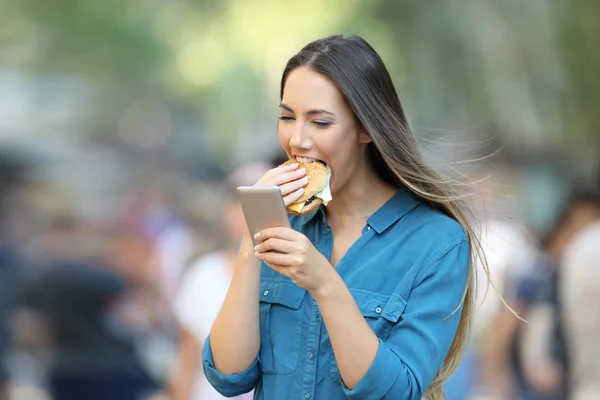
361,76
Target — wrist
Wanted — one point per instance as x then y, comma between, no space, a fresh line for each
328,286
246,249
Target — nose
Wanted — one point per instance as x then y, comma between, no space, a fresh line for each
300,139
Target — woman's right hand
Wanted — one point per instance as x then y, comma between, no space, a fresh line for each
289,178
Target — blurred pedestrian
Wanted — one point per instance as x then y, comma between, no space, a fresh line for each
541,353
580,301
93,356
529,360
202,291
14,168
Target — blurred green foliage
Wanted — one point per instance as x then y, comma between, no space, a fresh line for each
525,72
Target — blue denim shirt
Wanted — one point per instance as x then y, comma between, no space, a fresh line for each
407,273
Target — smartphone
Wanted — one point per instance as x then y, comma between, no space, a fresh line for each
263,207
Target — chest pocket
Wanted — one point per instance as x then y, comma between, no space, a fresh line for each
280,326
380,311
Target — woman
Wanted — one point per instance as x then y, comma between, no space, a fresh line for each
370,297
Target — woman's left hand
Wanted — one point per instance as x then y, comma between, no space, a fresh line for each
292,254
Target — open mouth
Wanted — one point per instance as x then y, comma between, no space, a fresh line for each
305,160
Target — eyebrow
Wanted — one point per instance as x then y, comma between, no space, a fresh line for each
310,112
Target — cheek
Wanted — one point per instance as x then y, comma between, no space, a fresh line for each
343,152
340,148
285,133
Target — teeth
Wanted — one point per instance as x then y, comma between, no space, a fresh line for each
305,160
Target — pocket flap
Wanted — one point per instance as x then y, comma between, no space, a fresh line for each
375,305
394,308
282,292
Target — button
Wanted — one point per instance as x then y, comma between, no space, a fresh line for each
378,310
307,395
266,293
368,228
311,355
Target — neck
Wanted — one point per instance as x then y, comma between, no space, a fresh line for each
364,194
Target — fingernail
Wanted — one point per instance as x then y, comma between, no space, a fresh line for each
257,236
304,180
256,254
294,165
256,248
300,190
302,170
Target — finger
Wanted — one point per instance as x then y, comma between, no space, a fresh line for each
277,245
285,167
293,197
278,232
280,259
279,179
290,187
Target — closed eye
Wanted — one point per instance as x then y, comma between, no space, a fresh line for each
322,124
286,118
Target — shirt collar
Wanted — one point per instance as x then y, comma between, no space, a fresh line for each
394,209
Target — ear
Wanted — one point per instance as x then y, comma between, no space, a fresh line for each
364,137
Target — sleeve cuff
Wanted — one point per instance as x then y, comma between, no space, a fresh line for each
228,385
380,377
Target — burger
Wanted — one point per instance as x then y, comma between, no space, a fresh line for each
316,192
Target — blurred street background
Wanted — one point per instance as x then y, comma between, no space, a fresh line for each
125,124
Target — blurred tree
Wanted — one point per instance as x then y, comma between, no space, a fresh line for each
526,72
108,41
109,45
579,34
521,71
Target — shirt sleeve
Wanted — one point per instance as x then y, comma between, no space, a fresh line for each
407,362
229,385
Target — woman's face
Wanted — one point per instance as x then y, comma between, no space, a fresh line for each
317,123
